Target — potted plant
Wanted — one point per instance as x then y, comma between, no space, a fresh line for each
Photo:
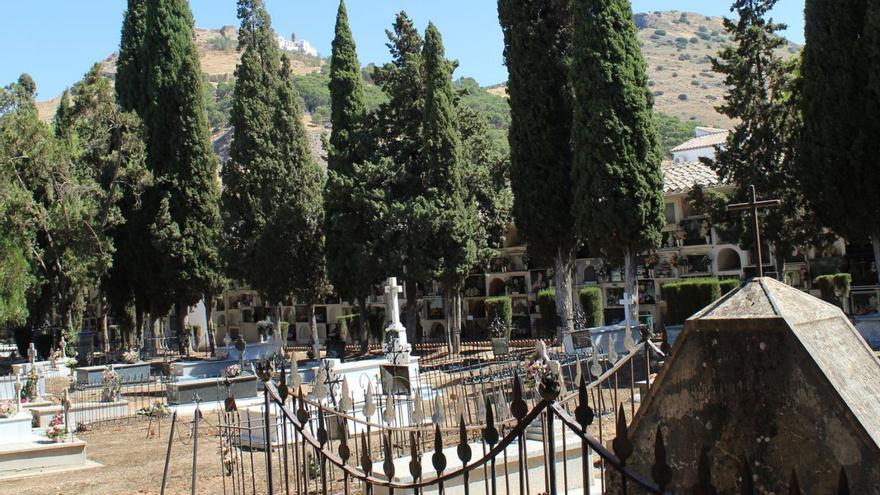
56,429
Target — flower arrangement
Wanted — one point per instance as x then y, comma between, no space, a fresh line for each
652,260
56,429
71,363
536,371
30,390
232,371
131,357
7,408
157,410
498,328
112,385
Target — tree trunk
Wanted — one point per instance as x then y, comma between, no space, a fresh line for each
209,322
104,335
630,291
139,326
412,311
564,308
154,325
450,319
779,263
875,241
313,326
182,343
363,328
456,329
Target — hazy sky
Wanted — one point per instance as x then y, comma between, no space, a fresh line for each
56,41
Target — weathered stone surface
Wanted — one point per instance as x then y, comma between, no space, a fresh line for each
774,375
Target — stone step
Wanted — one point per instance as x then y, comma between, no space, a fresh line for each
41,456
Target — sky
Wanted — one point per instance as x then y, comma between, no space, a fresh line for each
57,41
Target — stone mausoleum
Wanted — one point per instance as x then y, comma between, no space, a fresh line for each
772,376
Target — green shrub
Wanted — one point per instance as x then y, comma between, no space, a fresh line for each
684,298
499,307
660,32
285,328
834,288
547,308
728,284
683,97
591,304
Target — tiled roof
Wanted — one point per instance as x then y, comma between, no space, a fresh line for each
681,176
707,141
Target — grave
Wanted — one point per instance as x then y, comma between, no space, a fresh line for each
128,373
201,369
211,389
80,412
771,375
7,386
869,326
25,452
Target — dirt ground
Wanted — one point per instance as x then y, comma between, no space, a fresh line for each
131,463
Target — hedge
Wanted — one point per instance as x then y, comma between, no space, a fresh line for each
591,304
728,284
684,298
832,285
547,308
500,306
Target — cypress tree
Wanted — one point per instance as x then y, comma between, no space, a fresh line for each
841,114
183,202
537,39
291,246
351,266
130,90
618,193
395,158
252,187
453,219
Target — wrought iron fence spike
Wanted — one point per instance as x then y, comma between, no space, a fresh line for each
747,486
660,471
623,448
388,463
518,407
794,487
843,483
366,461
490,433
322,430
438,459
463,450
583,413
344,451
415,463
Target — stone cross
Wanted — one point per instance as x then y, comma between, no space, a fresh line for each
63,349
32,355
393,306
18,393
52,360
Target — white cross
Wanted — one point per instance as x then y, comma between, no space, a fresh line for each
32,354
392,304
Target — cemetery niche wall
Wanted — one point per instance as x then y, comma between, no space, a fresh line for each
774,377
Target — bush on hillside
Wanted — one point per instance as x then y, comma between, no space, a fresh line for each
591,304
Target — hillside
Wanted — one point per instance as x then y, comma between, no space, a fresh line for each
677,46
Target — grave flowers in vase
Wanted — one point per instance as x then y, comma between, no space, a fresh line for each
131,357
30,390
7,408
56,429
112,385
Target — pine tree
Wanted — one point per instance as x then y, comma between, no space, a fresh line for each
130,90
351,266
841,115
183,201
453,219
761,149
251,185
618,185
537,39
